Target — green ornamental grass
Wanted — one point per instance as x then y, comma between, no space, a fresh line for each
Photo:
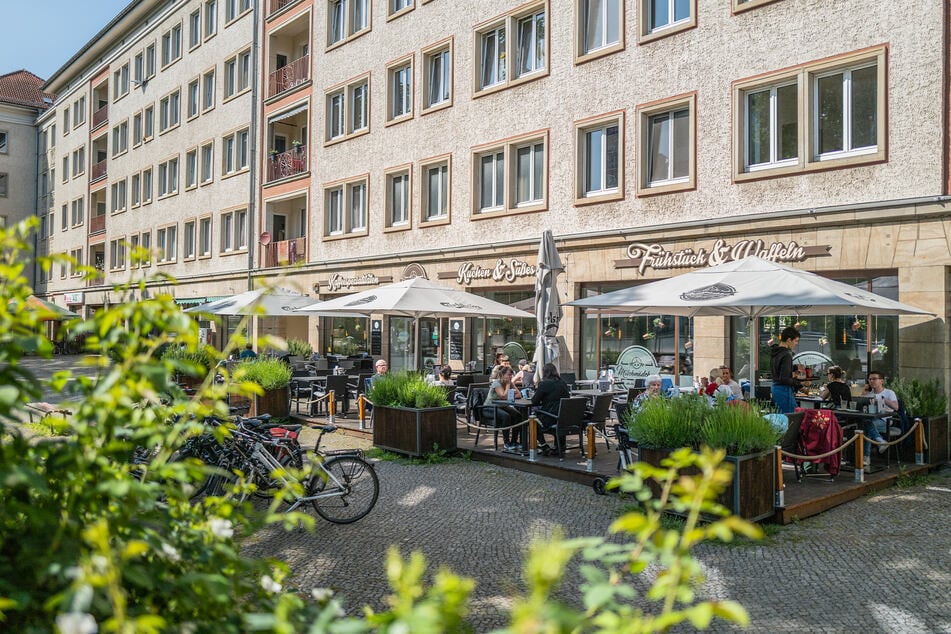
270,374
739,429
406,389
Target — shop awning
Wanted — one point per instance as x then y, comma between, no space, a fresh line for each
287,115
191,301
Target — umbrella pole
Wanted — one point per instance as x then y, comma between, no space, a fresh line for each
418,352
754,353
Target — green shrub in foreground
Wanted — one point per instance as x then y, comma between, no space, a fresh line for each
406,389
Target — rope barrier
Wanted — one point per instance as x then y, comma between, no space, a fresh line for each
849,442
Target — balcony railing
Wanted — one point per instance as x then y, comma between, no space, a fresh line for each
97,224
287,164
98,171
277,5
100,116
285,252
294,74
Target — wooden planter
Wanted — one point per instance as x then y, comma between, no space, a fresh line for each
273,402
751,495
414,431
936,433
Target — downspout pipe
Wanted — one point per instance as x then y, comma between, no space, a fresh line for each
253,134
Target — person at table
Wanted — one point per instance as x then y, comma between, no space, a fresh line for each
444,377
781,371
887,403
726,380
248,354
523,367
505,415
547,399
652,391
381,368
836,390
713,382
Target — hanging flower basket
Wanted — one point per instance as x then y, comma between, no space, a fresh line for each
858,324
647,336
659,323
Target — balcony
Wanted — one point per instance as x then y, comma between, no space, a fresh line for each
98,171
285,252
277,5
100,116
97,224
287,164
294,74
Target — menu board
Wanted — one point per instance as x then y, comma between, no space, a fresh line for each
455,339
376,338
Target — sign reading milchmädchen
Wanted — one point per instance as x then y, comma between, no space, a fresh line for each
644,256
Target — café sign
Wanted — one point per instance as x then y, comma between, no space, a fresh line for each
338,281
655,256
504,270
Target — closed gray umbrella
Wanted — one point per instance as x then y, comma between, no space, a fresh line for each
547,302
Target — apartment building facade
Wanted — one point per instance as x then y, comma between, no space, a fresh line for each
440,137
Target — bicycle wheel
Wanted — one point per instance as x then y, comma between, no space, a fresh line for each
360,485
290,455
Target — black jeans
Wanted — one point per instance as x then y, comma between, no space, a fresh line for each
506,415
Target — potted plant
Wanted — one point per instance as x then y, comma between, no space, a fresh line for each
299,348
190,366
296,145
273,376
410,415
926,400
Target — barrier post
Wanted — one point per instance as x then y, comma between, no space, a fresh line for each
362,409
919,442
780,500
860,456
331,407
532,438
589,466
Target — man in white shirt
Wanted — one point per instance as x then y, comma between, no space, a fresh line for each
886,402
726,378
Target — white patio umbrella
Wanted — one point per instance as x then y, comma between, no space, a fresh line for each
265,302
547,302
415,298
750,287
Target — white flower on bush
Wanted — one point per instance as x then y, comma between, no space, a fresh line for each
321,594
76,623
270,585
170,553
221,528
99,564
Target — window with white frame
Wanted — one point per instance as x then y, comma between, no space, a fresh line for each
236,8
194,29
171,45
78,212
168,177
3,141
148,118
135,189
846,111
659,18
188,240
118,195
667,140
491,180
146,186
437,87
207,162
231,77
204,237
191,168
211,17
150,61
346,18
435,189
512,175
137,129
400,90
169,111
76,257
194,98
398,197
348,109
399,6
244,70
145,242
166,243
334,202
117,254
227,232
208,90
600,158
357,206
771,126
138,68
120,138
64,217
234,230
66,168
336,115
530,173
4,185
120,82
359,105
79,111
236,151
496,66
600,26
79,161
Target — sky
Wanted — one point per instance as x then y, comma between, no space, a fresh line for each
41,35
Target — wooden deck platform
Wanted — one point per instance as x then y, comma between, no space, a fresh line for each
802,499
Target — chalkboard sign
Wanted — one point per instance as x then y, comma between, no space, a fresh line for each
376,338
455,339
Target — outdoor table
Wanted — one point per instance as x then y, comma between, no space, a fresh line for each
813,402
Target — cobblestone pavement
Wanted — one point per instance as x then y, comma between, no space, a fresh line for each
878,564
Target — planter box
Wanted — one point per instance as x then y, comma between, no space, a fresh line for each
273,402
936,433
751,495
414,431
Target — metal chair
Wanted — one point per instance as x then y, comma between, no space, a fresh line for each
570,420
598,413
479,414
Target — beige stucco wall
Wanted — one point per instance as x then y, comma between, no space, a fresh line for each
18,163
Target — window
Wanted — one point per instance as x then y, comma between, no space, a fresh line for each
79,111
235,151
3,141
149,122
400,90
188,240
231,77
211,18
348,109
137,129
193,99
136,189
150,61
66,126
146,186
120,82
437,81
528,29
76,255
346,18
600,153
78,212
236,8
204,237
66,168
168,177
64,217
357,206
234,231
208,90
398,7
744,5
237,73
169,111
172,45
145,242
194,29
435,184
191,169
523,186
842,121
335,116
118,195
600,28
117,254
398,192
207,162
334,211
346,208
166,242
659,18
138,68
4,185
667,140
120,138
79,161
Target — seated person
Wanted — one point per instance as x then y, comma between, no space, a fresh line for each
713,383
523,367
887,403
548,397
726,378
505,415
248,353
836,390
444,374
652,391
